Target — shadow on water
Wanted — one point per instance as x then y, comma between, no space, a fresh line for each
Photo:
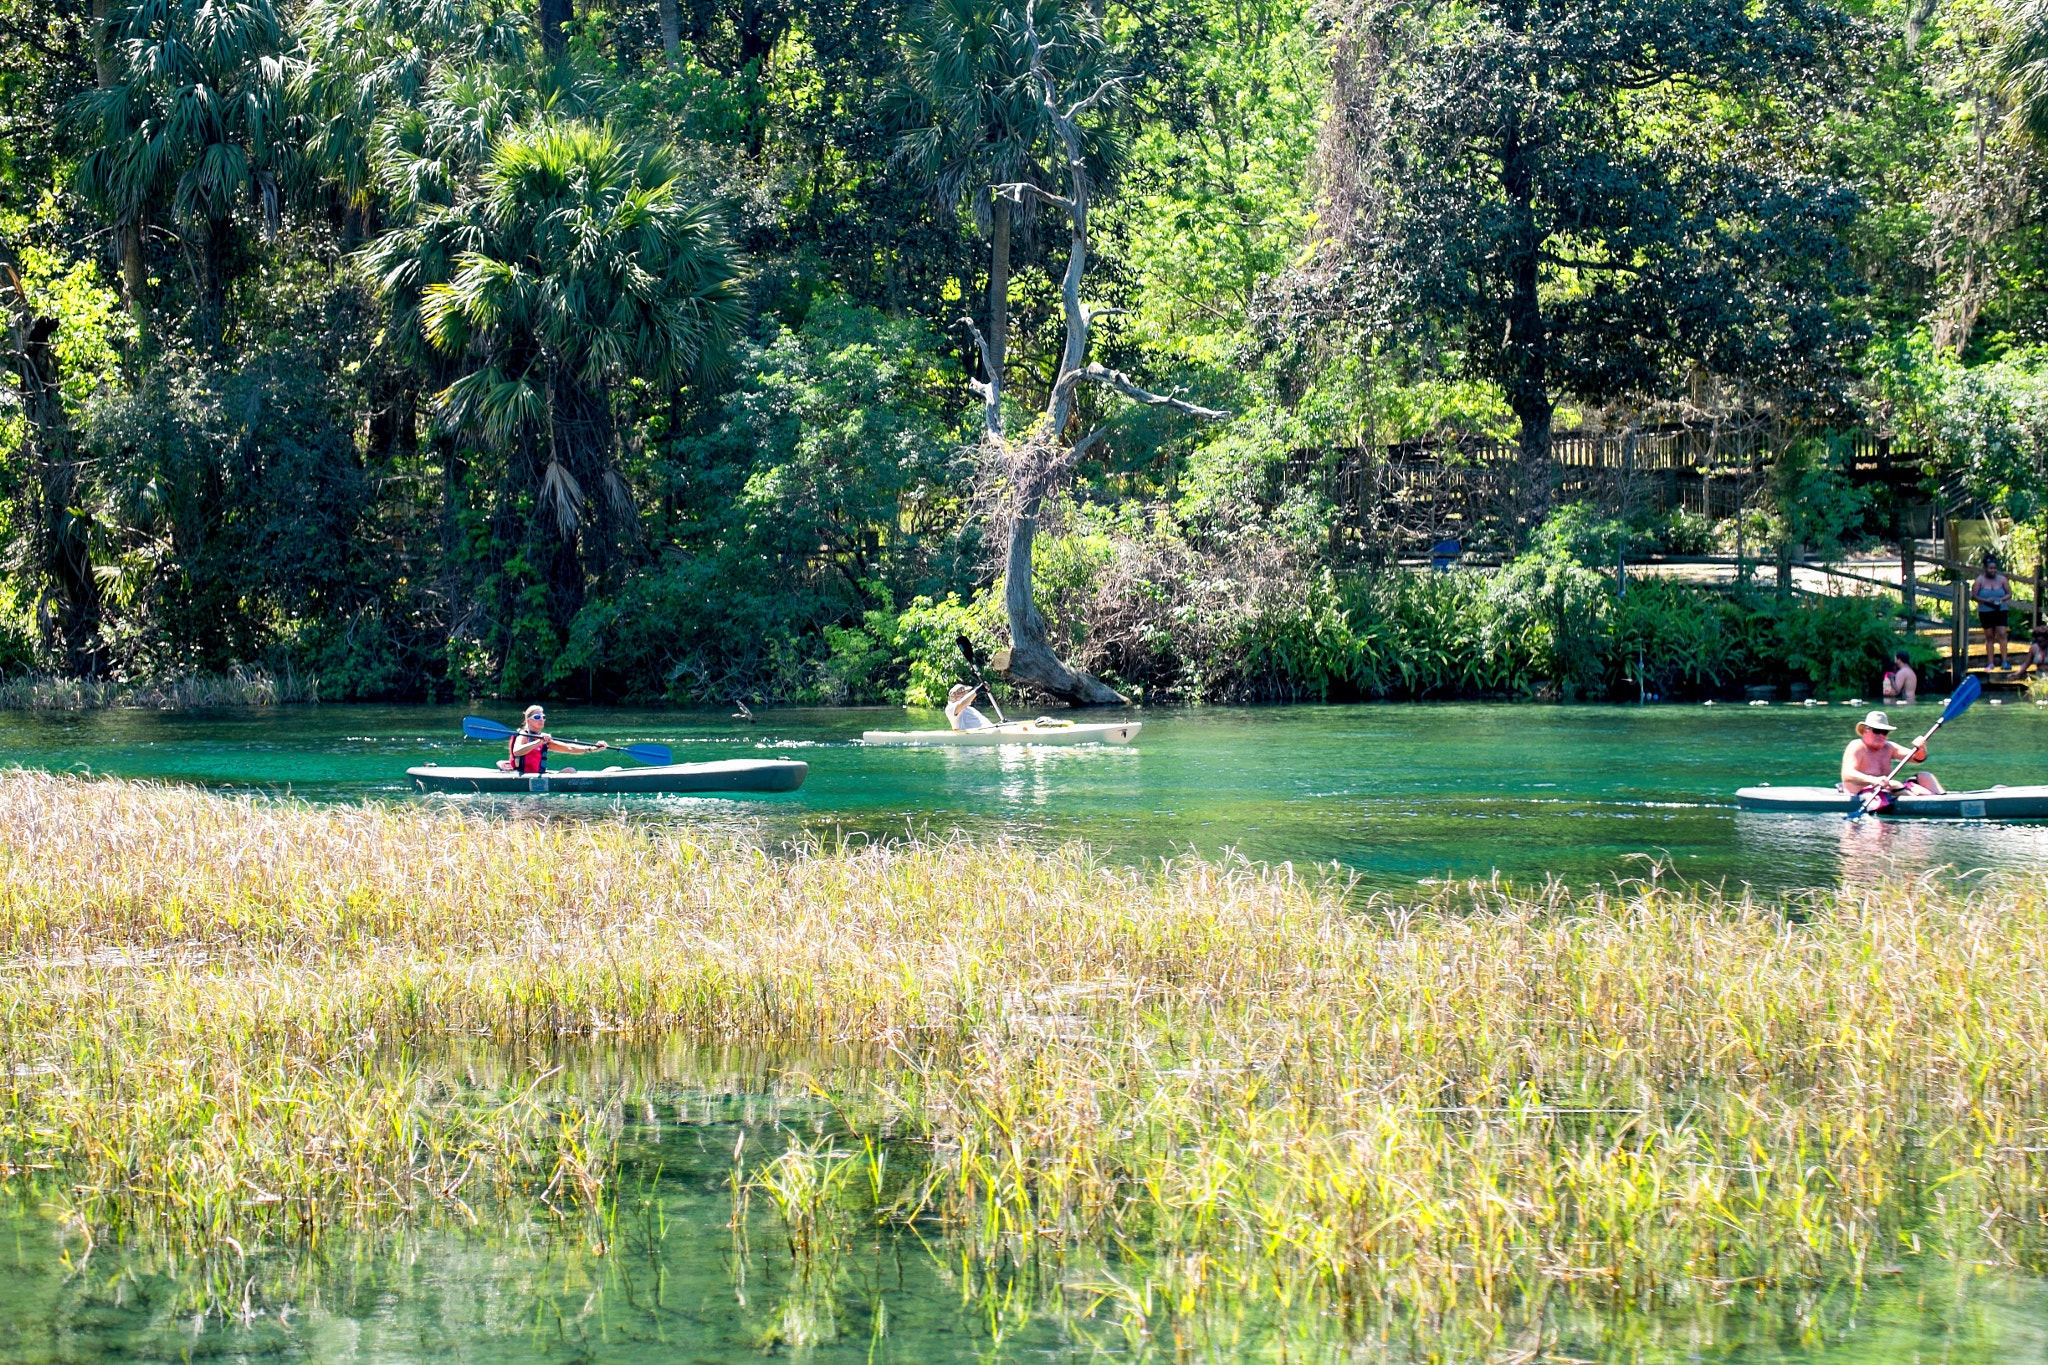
761,1213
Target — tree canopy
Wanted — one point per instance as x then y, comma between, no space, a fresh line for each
656,349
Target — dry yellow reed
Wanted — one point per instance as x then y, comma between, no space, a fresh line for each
1643,1092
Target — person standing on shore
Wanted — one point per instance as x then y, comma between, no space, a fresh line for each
1993,593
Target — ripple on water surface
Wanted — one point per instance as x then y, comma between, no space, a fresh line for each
1398,794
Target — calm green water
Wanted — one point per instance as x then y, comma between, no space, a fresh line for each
665,1277
1398,793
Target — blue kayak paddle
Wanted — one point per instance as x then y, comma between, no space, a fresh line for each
657,755
1958,703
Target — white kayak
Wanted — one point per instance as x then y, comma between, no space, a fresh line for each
1998,803
1040,731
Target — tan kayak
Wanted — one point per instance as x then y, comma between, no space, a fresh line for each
1040,731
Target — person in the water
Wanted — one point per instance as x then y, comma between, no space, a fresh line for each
1868,760
1901,683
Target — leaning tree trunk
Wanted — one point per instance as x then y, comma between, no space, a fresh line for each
1034,465
1032,660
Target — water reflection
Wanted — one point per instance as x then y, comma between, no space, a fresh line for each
692,1262
1396,793
1869,852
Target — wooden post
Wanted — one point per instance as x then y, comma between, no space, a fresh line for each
1959,632
1908,587
2040,572
1784,570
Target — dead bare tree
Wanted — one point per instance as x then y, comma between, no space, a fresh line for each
1032,466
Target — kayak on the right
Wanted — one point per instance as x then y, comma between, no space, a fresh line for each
1996,803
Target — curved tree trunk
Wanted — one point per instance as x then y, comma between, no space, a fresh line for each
1032,660
1036,464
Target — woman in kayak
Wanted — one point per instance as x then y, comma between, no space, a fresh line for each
1868,760
960,709
531,744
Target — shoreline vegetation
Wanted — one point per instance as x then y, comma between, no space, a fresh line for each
238,1023
184,692
1546,627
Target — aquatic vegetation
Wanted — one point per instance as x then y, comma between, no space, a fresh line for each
245,1017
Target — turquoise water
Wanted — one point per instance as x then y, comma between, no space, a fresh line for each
1398,794
668,1274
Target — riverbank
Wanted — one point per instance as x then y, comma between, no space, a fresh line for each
232,1018
237,687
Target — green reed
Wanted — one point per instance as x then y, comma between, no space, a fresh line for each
1216,1083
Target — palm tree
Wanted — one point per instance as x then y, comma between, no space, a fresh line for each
571,265
974,121
2023,67
369,60
192,122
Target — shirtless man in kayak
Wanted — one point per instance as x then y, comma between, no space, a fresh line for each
1868,760
531,745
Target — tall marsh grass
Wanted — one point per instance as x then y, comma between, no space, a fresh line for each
220,1014
237,687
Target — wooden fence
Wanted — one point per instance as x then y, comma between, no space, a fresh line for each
1416,492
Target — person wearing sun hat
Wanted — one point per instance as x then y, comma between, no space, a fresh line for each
1870,757
960,708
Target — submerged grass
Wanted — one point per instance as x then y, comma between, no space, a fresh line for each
230,1017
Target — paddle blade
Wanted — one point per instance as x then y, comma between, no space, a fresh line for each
476,727
654,755
1960,700
967,650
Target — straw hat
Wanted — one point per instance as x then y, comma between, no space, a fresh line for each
1877,721
960,690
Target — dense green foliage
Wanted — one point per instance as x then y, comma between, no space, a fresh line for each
430,347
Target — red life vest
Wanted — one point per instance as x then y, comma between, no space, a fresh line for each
534,760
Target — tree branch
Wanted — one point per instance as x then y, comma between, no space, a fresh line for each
1552,258
980,344
1017,191
1121,382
